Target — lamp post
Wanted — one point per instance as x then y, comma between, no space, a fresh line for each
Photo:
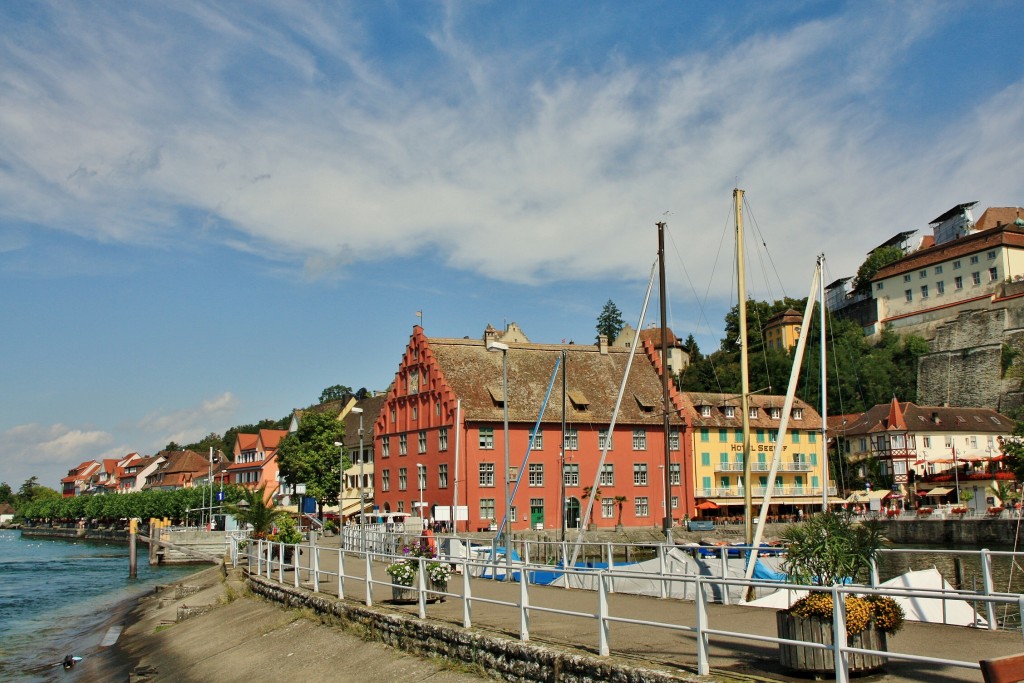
341,478
420,476
499,346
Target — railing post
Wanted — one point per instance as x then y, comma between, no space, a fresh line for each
315,559
701,603
280,562
663,586
524,607
259,557
565,563
839,655
421,586
467,595
341,573
1020,611
986,569
295,563
725,573
603,648
874,572
611,568
369,575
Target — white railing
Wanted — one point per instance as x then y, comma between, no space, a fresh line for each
270,560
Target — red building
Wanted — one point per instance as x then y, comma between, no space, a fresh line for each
440,434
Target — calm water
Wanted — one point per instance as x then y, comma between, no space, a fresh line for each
56,597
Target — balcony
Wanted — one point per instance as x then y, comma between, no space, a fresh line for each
765,466
758,492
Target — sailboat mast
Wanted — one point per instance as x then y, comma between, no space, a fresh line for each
824,393
741,284
667,519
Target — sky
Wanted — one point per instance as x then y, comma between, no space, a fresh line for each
211,211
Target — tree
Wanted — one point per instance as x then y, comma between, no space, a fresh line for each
309,456
255,511
172,446
875,261
6,494
620,501
338,392
597,499
691,348
610,322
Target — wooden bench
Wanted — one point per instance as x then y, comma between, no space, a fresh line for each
1008,669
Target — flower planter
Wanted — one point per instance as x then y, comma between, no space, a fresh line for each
403,594
437,587
818,630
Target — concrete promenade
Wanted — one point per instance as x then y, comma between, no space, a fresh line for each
733,658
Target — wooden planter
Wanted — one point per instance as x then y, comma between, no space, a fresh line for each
437,587
818,630
403,594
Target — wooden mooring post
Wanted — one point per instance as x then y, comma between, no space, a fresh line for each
133,555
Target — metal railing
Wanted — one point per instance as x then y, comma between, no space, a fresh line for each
271,560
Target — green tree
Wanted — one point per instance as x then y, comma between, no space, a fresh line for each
690,346
876,260
309,456
610,322
172,446
6,494
338,392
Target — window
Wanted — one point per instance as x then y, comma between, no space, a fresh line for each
571,475
394,415
607,475
881,286
923,274
938,270
974,259
421,444
442,438
949,441
774,413
486,508
723,436
421,476
403,444
940,287
442,476
538,441
730,411
798,413
487,438
705,435
673,440
705,483
675,502
927,442
753,412
958,282
675,476
512,513
415,412
908,294
956,265
705,411
572,440
993,274
403,478
991,254
705,459
724,483
640,507
607,508
974,441
487,474
906,278
640,474
385,480
437,409
385,446
401,506
924,291
639,440
604,439
976,277
536,474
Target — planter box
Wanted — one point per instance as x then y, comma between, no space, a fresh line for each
817,630
437,588
403,594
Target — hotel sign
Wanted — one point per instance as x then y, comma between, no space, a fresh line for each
758,448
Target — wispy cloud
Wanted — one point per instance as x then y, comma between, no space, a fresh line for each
188,424
44,446
293,134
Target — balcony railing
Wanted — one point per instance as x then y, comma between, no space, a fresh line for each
765,466
758,491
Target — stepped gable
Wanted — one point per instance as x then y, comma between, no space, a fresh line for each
474,374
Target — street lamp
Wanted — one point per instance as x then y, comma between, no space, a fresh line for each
499,346
419,481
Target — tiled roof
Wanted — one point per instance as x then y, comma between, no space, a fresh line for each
653,335
472,371
272,437
1007,236
247,442
932,419
371,406
811,418
999,215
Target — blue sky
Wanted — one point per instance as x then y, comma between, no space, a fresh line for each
211,211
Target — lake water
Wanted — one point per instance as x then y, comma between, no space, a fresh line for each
56,597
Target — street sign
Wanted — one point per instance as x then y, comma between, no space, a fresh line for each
220,496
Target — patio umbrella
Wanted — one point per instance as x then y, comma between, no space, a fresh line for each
707,505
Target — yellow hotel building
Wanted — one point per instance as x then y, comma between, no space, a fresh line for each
718,455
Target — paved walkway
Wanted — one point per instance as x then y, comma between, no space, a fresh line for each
732,658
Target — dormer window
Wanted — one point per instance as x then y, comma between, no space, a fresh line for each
753,412
705,411
774,413
645,405
497,395
579,400
798,413
730,411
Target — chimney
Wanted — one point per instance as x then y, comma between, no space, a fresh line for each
602,344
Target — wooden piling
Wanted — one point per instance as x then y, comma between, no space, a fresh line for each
133,556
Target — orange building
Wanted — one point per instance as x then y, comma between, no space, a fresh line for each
441,427
255,461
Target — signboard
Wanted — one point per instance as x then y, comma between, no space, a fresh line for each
300,489
443,513
220,496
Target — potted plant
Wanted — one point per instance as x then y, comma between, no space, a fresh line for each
403,572
438,574
828,549
403,576
330,527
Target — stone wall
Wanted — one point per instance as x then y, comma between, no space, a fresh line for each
118,535
502,658
965,365
946,532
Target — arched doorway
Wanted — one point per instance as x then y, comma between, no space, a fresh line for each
572,513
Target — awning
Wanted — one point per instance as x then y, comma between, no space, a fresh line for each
707,505
939,491
879,495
